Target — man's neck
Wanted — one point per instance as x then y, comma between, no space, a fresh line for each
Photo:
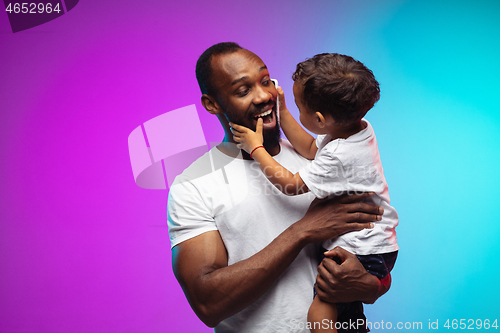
229,148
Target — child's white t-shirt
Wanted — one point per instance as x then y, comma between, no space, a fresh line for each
353,165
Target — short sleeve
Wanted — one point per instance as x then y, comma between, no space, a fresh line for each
319,140
324,175
188,215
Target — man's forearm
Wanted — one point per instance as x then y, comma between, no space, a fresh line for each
222,292
217,291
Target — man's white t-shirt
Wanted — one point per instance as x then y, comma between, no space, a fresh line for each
353,165
232,196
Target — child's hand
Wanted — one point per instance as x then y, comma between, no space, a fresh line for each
281,96
246,138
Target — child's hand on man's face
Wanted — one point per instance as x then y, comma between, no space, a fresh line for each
247,139
281,96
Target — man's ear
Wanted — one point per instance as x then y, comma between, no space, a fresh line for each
210,104
321,120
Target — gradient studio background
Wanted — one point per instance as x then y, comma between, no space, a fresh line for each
83,249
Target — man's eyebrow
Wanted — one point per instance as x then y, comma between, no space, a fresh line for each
239,80
246,77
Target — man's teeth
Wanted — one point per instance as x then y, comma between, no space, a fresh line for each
263,114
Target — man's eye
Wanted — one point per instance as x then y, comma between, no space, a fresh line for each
242,92
266,82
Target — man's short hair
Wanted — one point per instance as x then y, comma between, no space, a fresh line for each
204,71
338,85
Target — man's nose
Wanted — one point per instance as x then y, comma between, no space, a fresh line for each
261,96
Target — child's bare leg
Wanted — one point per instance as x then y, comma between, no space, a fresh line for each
322,316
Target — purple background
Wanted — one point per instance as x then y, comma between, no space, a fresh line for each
83,249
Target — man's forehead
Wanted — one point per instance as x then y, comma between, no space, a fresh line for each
237,64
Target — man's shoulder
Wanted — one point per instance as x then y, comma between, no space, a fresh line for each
200,167
211,166
287,146
205,166
288,153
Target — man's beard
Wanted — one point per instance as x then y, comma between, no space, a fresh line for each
272,136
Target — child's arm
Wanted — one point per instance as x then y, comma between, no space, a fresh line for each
302,141
287,182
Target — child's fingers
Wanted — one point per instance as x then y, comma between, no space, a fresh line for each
234,131
260,124
281,96
238,137
280,91
238,128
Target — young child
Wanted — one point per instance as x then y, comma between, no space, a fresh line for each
333,92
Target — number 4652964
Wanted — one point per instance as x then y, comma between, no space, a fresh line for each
32,8
470,324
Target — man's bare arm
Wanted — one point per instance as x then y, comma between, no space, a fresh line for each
217,291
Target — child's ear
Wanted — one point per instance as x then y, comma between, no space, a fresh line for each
320,119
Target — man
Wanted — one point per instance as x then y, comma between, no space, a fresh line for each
243,252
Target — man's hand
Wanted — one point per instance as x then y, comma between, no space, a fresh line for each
330,218
247,139
348,281
217,291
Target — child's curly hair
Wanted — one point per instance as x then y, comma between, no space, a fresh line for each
337,85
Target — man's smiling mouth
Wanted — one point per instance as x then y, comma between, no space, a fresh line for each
264,114
267,116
